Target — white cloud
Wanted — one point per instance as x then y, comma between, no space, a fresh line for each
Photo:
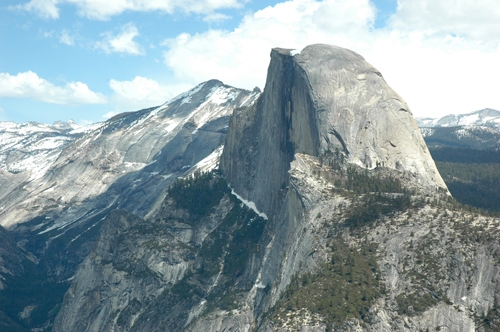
439,67
240,57
66,38
43,8
215,18
438,81
103,10
46,34
123,42
470,18
109,115
441,56
142,92
30,85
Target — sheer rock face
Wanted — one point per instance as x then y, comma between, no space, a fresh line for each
321,100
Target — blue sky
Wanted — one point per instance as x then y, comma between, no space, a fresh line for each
87,59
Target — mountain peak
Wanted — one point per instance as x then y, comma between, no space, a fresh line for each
321,100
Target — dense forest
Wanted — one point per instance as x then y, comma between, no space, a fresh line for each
472,176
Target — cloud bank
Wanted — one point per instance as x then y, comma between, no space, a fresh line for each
29,85
141,92
122,42
441,57
104,10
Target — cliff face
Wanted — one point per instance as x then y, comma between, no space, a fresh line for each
328,122
163,273
360,114
321,101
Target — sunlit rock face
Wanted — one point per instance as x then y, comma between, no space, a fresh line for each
125,162
322,100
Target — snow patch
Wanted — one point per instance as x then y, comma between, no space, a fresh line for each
260,285
209,162
468,119
87,129
138,131
83,233
172,124
135,166
186,96
48,143
426,131
251,205
362,165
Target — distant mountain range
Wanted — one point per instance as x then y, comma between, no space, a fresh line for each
34,146
466,149
476,130
486,117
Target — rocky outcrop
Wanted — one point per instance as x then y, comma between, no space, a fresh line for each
117,281
162,274
321,101
438,264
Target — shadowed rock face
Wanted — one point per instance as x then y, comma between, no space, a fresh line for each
321,100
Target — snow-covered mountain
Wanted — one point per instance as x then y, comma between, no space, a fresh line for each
477,130
67,180
486,117
64,167
34,146
58,182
